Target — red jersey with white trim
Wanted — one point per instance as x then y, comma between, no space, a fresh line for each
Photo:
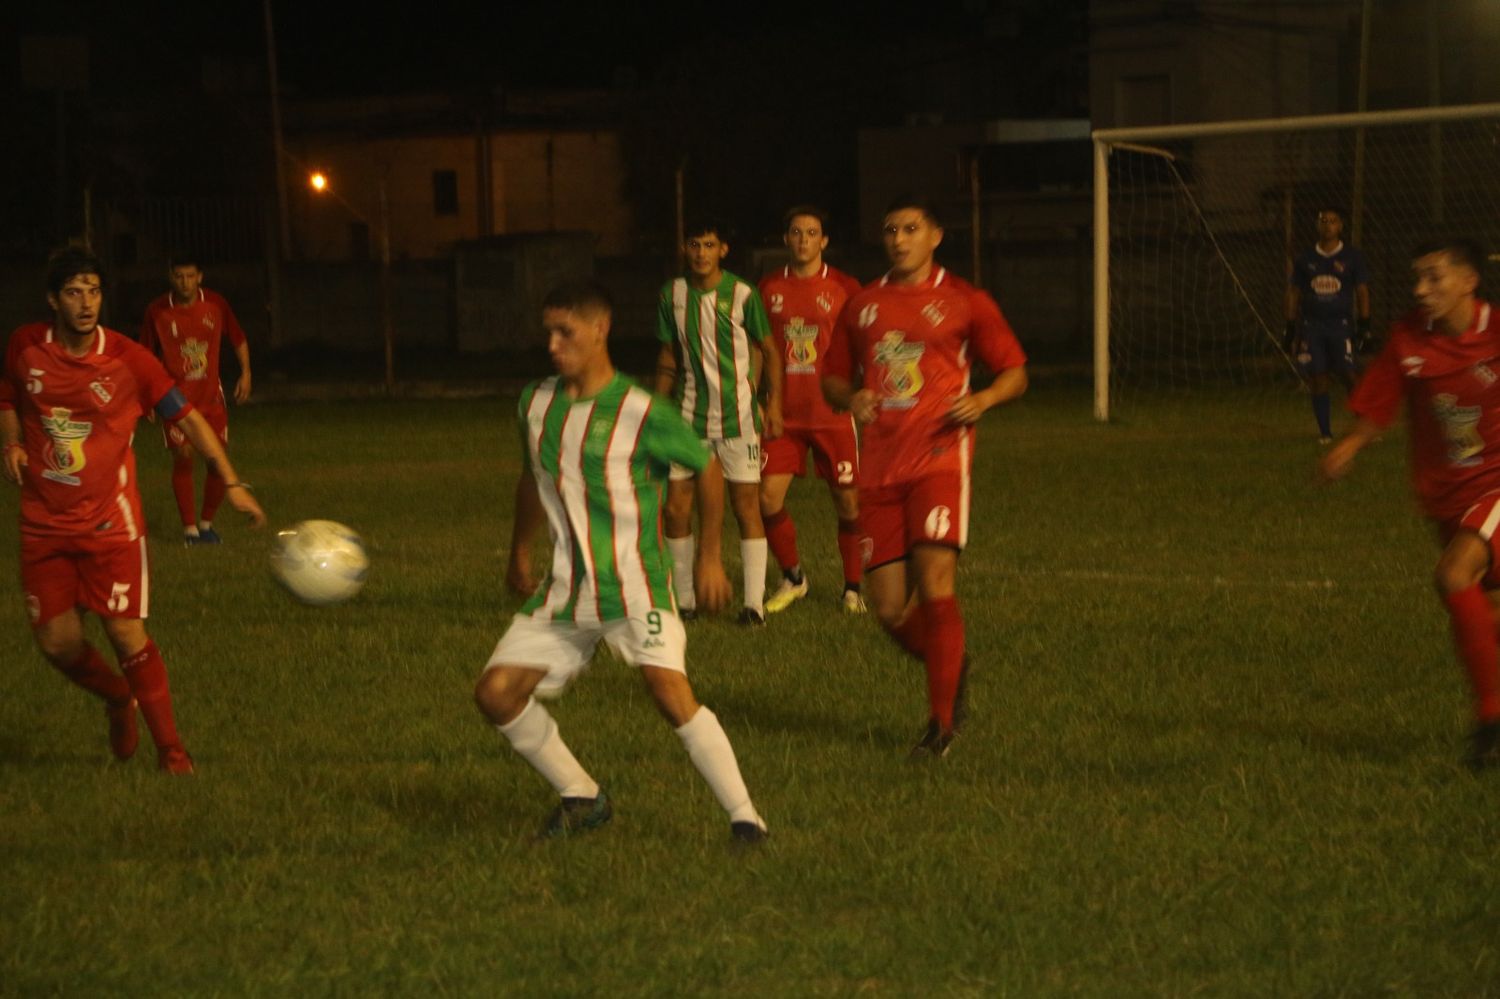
803,311
1451,386
77,416
187,338
912,345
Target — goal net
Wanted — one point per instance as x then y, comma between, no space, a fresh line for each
1204,221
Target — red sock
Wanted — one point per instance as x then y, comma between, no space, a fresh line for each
1474,635
781,536
93,674
945,656
148,681
182,488
851,552
213,495
911,634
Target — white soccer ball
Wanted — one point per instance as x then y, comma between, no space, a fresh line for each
320,562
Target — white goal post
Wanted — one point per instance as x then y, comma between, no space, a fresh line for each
1195,227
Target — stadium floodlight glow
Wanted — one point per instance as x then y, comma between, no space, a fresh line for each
318,181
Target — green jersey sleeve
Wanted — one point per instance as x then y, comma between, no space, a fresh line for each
666,322
669,438
757,323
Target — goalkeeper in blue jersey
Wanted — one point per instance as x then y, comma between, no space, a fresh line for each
1327,313
596,450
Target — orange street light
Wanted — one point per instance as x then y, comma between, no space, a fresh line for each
318,181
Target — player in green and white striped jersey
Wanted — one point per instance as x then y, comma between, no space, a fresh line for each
596,449
713,331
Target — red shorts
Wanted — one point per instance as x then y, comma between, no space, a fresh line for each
217,417
1483,518
835,454
59,574
932,510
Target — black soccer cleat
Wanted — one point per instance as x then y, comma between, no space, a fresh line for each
1484,746
687,615
577,815
748,833
934,742
752,618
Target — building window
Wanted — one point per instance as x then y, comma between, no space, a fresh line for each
445,192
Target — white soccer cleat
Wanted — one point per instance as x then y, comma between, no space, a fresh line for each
854,603
786,594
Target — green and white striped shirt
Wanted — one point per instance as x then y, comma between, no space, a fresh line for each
711,332
600,465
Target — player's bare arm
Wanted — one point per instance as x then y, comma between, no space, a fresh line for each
775,379
666,370
1339,459
242,387
236,491
527,525
1008,385
10,440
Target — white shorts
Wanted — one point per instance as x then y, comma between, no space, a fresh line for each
565,649
740,457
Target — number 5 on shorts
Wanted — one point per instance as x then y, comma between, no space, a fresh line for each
119,598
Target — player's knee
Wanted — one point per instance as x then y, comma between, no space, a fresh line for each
499,698
1463,564
672,693
60,649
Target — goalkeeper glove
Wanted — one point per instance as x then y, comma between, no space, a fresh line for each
1363,340
1289,338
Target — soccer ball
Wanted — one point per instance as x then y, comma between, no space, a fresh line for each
320,562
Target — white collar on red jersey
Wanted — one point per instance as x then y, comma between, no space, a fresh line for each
98,337
786,272
1331,253
933,280
1481,320
172,299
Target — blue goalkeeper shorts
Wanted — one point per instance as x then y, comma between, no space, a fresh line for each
1327,348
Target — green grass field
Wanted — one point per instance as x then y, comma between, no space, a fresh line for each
1214,748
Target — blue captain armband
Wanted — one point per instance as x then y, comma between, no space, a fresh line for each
172,406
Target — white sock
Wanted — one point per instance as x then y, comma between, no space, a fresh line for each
533,734
191,531
682,571
753,560
709,749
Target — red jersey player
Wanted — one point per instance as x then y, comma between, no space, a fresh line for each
803,299
184,328
1443,361
906,341
69,402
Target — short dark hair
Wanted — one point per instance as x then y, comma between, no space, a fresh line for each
69,262
812,210
913,199
580,295
702,225
182,257
1463,250
1325,206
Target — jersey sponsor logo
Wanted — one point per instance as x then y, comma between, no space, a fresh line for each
825,301
776,303
64,454
867,316
801,347
1326,284
934,313
903,370
1460,430
103,388
194,360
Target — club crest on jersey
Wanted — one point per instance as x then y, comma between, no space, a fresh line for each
867,316
934,313
1460,430
64,452
903,369
208,321
801,347
102,388
1485,375
825,301
1412,365
194,360
776,303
